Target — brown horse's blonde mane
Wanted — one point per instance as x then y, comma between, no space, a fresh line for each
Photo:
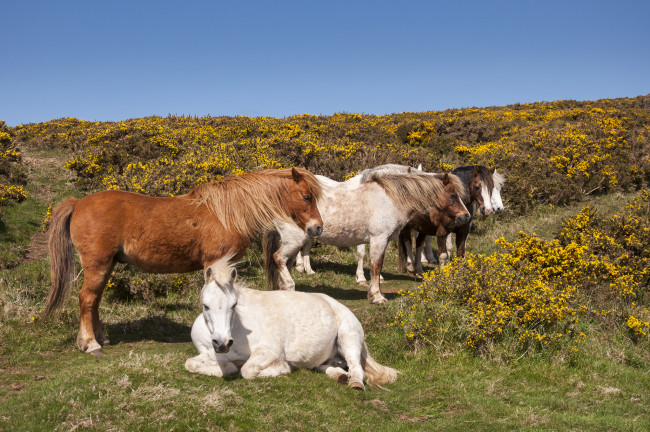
249,203
416,191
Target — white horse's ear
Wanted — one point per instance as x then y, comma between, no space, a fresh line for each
420,167
208,273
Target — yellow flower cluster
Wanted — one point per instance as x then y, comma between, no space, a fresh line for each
537,291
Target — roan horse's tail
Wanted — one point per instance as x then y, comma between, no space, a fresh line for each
374,372
61,254
270,245
404,234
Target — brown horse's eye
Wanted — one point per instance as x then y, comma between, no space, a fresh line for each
454,196
306,198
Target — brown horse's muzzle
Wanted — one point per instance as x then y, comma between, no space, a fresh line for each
463,219
314,231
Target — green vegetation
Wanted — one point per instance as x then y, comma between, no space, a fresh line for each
543,330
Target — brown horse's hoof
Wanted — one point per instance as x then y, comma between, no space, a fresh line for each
98,352
355,383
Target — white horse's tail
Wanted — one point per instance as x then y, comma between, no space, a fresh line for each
374,372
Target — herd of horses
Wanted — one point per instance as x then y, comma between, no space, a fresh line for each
210,228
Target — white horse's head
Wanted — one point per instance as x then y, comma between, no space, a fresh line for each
219,297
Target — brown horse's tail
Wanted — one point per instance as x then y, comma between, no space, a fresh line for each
61,255
270,245
402,254
374,372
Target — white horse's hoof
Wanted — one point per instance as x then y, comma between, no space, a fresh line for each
378,300
356,383
362,283
311,272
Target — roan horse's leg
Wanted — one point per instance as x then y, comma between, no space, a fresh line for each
361,255
97,271
377,251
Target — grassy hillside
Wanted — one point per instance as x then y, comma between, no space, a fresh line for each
546,329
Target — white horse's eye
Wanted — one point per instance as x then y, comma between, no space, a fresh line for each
205,307
235,305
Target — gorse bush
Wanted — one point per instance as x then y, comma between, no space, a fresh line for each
552,153
12,171
535,294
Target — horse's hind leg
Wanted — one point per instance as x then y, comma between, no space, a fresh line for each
96,273
350,344
377,251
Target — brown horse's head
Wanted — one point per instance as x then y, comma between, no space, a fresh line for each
304,192
450,212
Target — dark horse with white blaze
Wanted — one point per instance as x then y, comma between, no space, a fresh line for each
169,234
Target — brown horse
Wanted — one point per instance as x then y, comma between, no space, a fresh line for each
169,234
438,221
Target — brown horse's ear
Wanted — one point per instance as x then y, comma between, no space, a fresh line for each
445,179
296,175
476,170
208,273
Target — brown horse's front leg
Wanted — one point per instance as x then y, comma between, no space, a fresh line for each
91,336
461,239
443,254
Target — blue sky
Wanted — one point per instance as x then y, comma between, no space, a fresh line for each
115,60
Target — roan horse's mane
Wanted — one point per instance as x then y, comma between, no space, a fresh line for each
415,190
249,203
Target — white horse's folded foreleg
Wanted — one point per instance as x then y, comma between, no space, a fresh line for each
264,363
207,365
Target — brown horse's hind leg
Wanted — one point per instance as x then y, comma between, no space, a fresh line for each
91,336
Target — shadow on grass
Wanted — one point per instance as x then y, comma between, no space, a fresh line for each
155,328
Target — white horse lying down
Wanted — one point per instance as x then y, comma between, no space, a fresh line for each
269,333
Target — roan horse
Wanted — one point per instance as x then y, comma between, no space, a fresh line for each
169,234
371,212
269,333
484,194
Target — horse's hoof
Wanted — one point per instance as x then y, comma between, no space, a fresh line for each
356,383
380,300
343,379
362,283
97,352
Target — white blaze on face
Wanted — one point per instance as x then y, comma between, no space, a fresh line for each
495,200
487,200
218,311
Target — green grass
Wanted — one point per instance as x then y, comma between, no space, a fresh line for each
141,384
